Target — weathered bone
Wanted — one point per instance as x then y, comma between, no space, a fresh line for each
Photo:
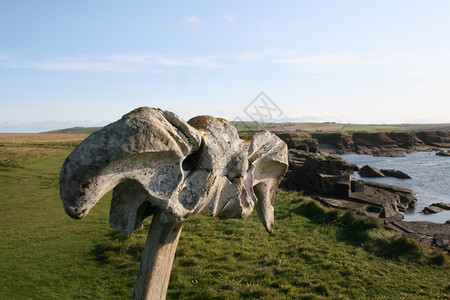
159,164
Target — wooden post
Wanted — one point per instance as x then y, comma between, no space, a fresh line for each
157,259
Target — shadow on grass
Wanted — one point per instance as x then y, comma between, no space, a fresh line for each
367,233
123,251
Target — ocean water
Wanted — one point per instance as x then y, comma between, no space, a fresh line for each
430,179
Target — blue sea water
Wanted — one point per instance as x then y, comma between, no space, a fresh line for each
430,179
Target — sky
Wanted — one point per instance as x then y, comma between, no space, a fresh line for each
87,63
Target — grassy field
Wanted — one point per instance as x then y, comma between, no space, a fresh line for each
305,127
312,254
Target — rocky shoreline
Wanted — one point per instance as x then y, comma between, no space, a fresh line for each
328,179
385,143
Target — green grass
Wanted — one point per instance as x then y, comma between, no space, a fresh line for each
314,253
255,126
394,127
249,125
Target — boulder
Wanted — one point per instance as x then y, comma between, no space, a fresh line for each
436,208
370,171
395,173
443,153
316,173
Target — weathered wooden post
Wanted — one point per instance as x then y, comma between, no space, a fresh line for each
160,165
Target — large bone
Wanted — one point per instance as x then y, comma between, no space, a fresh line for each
159,164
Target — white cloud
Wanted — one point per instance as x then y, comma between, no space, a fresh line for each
3,57
230,18
320,59
128,58
201,62
315,117
74,65
295,23
192,20
120,63
253,55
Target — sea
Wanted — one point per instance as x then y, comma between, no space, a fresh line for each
430,179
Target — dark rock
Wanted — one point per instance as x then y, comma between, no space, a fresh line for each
388,200
432,234
431,210
443,153
389,152
384,143
374,200
299,141
316,173
331,177
405,140
370,171
395,173
444,206
373,140
342,143
439,139
436,208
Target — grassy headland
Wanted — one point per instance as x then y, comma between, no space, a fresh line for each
314,253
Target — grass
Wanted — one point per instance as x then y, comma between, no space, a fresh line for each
396,127
314,253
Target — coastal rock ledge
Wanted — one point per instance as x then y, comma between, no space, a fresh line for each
328,179
431,234
436,208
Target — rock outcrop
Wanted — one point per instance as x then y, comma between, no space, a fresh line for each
316,173
431,234
436,208
384,143
395,173
443,153
330,179
371,171
299,142
374,199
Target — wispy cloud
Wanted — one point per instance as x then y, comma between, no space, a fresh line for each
295,23
253,55
320,59
191,20
119,63
315,117
200,62
3,57
230,18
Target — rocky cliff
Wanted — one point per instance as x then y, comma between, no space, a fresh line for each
384,143
328,179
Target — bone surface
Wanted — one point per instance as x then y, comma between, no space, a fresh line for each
156,163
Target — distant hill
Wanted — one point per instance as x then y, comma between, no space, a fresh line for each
303,127
80,130
338,127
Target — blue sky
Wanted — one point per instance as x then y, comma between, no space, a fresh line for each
86,63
